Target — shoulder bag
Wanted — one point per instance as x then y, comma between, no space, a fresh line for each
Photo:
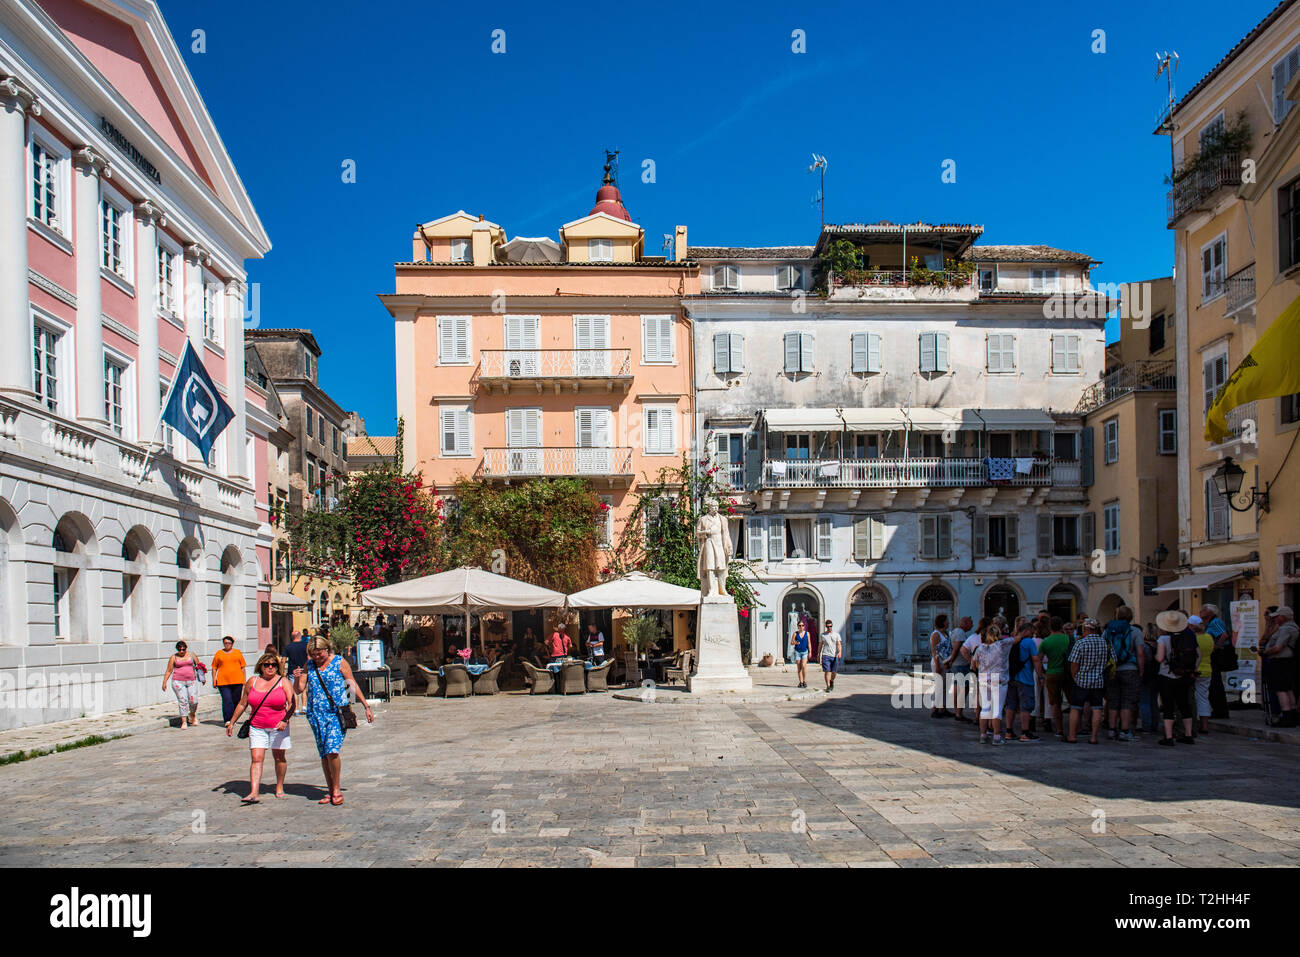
347,717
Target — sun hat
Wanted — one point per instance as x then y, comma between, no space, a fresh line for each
1171,621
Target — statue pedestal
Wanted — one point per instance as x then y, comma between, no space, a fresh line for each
717,649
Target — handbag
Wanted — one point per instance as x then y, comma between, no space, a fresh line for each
347,717
1224,658
243,728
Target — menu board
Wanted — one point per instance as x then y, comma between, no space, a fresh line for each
370,654
1245,635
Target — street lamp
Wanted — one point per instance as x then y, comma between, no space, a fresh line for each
1227,481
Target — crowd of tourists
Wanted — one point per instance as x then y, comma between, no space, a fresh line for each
1118,680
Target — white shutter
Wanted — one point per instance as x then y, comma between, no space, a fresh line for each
721,352
657,338
737,346
447,431
1072,353
515,428
792,352
805,352
873,352
650,431
460,349
775,539
980,535
877,536
943,535
941,352
1013,536
446,338
862,538
993,353
929,541
1044,536
659,438
1058,354
755,550
859,340
927,352
825,541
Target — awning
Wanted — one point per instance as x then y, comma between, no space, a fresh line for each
285,601
803,420
459,590
1208,576
636,590
873,420
933,420
1006,419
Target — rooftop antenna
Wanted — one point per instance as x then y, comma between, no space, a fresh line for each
1167,63
819,164
611,163
668,242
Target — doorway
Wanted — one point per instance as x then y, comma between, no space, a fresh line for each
1002,600
867,630
1063,601
802,603
931,602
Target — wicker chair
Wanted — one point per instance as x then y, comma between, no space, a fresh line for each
596,677
431,680
540,680
573,678
455,682
682,669
397,678
487,681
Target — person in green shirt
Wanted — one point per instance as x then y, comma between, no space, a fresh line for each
1204,672
1053,650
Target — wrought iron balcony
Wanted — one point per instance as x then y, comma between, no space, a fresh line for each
1141,376
613,465
906,473
1240,291
594,368
1192,191
1240,420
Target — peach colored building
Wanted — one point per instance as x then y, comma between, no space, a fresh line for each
528,357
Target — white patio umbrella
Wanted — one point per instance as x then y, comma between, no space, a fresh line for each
636,590
460,590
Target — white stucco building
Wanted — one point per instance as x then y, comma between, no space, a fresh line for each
902,444
124,229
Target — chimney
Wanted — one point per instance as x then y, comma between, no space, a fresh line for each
419,248
679,244
481,243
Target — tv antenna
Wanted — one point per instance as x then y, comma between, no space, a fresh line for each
611,163
1167,63
819,164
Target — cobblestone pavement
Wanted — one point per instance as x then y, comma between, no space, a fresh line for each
513,780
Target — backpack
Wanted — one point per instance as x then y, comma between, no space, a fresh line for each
1150,667
1014,664
1118,632
1183,648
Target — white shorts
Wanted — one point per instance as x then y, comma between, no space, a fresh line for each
1202,696
993,694
268,738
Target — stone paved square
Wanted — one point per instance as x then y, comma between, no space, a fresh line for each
589,781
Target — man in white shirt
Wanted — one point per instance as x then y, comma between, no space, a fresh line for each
831,646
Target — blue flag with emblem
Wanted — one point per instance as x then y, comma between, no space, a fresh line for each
193,407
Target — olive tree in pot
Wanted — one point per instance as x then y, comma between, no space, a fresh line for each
639,634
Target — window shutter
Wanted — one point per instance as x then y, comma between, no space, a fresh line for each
447,423
824,539
941,352
1044,536
756,538
581,332
667,438
514,428
1207,380
460,346
873,352
980,535
805,352
753,462
775,539
862,538
860,351
929,540
1058,353
650,439
657,338
927,351
585,428
993,353
1088,533
721,352
1013,536
445,339
1072,353
877,536
792,352
1085,456
737,348
943,536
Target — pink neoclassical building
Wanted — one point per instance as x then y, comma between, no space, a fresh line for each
124,229
527,357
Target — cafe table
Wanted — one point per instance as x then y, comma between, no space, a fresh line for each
474,670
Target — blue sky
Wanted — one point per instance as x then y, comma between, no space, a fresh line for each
1052,142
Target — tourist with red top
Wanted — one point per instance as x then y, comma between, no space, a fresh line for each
559,644
272,700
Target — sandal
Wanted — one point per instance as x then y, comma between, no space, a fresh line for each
249,801
324,800
336,800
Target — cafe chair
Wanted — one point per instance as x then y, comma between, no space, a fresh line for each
682,669
487,681
539,679
573,677
432,681
455,682
596,677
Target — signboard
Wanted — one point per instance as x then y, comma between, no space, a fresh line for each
1245,635
370,654
767,617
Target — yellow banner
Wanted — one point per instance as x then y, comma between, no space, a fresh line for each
1270,369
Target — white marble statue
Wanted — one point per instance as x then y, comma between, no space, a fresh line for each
713,533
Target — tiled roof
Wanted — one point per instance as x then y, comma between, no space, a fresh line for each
748,252
372,445
1236,51
1026,254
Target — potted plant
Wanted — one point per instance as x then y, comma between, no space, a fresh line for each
639,634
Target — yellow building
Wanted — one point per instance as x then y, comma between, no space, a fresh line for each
1133,414
1232,206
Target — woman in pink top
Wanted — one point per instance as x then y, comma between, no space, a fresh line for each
271,698
182,668
560,643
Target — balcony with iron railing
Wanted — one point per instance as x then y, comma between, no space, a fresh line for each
1142,376
1239,289
1243,424
913,473
611,466
592,369
1195,188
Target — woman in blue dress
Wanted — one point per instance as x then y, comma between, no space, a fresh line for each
328,672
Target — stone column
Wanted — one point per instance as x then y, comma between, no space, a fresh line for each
16,101
90,313
237,442
148,386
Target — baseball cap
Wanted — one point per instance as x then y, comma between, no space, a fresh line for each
1285,611
1194,620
